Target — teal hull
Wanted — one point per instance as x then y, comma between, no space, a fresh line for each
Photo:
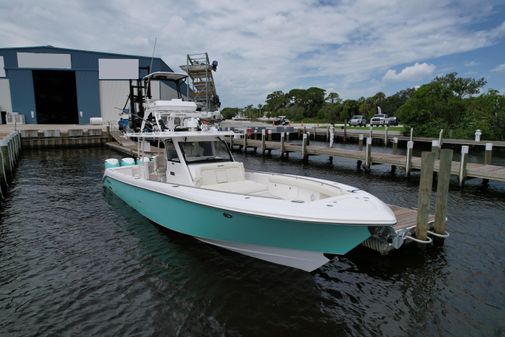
219,224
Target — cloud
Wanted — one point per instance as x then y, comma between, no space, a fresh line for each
262,44
499,68
471,63
415,72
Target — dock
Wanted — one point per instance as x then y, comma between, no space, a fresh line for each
10,151
463,170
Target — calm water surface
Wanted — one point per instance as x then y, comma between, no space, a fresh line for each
76,261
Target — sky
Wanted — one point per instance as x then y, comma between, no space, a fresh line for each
355,48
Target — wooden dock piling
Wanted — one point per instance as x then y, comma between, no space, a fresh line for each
425,186
463,162
283,145
435,148
395,145
360,143
368,154
304,148
488,155
444,178
6,160
408,161
263,148
386,140
10,147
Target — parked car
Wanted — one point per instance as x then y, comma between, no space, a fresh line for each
391,121
281,120
358,120
378,119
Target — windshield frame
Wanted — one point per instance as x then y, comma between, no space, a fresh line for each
207,159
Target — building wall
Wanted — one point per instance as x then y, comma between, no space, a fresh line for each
113,96
22,93
84,63
5,95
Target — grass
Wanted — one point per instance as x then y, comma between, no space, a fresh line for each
379,128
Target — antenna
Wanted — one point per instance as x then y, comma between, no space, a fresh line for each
152,56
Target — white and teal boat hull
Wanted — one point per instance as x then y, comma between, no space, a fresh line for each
298,243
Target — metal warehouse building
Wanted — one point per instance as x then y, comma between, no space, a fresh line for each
49,85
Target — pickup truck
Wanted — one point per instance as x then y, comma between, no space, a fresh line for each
379,119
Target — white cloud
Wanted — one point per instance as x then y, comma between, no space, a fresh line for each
263,43
414,72
499,68
471,63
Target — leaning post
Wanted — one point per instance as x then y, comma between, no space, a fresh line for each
444,177
425,186
462,167
360,142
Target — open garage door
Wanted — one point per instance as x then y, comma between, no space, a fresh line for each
55,97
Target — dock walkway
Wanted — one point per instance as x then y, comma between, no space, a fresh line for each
467,170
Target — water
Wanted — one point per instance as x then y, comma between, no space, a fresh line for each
75,260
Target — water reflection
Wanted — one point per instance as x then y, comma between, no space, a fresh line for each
76,260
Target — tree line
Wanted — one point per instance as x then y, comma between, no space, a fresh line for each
448,102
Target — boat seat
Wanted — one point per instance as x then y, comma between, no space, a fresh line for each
241,187
218,173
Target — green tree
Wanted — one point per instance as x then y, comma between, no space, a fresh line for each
441,104
333,98
229,113
461,87
391,103
350,107
276,101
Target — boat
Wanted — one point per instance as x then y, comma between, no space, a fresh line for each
189,182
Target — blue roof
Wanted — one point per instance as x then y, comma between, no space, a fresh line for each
52,48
